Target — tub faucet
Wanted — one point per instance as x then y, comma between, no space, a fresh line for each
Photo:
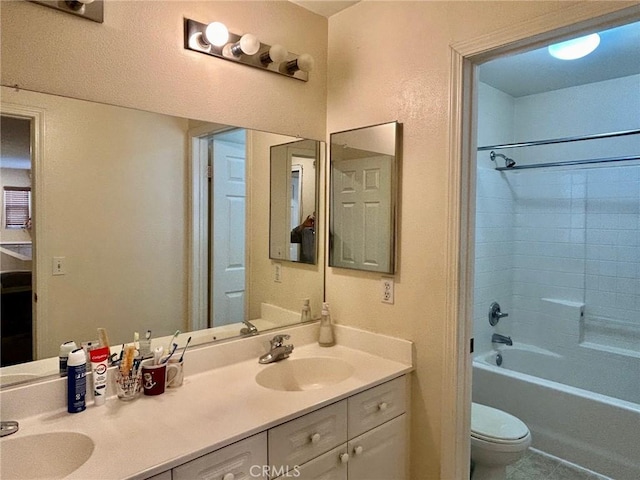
7,427
278,351
497,338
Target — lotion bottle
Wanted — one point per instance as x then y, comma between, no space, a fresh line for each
76,381
305,316
326,339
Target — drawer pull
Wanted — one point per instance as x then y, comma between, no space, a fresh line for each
358,450
315,438
383,406
344,457
229,476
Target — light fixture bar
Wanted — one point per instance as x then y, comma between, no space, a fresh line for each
193,40
89,9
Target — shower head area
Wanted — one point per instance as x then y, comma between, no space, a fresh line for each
508,162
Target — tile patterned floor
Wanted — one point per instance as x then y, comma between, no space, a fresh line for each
536,466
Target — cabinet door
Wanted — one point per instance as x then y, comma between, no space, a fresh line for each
377,405
298,441
380,454
329,466
244,460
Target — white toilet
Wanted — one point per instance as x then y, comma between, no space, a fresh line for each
498,439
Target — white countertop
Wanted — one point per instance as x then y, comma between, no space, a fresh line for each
212,409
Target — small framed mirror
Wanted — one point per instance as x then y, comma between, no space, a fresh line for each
364,186
294,201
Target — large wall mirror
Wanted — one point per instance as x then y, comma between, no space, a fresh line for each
294,201
138,221
364,186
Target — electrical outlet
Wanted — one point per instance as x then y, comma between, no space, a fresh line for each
58,267
387,290
277,275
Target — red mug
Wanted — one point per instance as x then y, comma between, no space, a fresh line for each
154,379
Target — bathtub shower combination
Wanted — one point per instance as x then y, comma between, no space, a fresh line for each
565,265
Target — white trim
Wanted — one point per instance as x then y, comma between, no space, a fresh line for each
575,19
40,321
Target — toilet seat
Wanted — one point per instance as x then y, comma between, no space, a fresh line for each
495,426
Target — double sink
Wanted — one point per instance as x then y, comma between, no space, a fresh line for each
61,453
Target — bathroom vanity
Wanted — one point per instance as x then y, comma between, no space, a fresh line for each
343,413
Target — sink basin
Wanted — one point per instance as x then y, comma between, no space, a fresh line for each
304,373
44,456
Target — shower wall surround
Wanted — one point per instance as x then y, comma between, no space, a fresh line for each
570,236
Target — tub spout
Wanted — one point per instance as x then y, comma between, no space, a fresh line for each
497,338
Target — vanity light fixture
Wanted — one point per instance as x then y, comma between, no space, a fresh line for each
214,39
89,9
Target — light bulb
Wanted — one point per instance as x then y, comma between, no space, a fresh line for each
576,48
276,54
216,34
248,44
304,62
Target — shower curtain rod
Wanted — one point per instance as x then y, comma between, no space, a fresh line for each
594,136
572,162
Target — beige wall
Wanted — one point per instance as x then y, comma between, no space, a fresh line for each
391,61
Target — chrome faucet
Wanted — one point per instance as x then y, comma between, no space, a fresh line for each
8,427
497,338
278,351
249,328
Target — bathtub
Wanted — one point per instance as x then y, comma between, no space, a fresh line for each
590,429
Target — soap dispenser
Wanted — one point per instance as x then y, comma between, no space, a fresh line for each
305,315
326,339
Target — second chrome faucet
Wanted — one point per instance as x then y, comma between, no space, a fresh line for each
278,351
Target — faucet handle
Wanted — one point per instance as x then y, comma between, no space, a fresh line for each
277,340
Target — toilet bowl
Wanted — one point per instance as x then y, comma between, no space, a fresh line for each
498,439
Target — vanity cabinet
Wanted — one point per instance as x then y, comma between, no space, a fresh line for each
240,460
363,437
374,445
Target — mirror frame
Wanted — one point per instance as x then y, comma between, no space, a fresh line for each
390,235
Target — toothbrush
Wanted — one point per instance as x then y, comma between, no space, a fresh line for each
185,349
173,339
173,350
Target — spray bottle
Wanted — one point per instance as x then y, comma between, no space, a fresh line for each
76,381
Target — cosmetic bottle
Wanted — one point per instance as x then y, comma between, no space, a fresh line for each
76,381
325,339
305,316
65,349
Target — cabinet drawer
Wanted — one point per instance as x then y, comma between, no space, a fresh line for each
296,442
232,462
328,466
377,405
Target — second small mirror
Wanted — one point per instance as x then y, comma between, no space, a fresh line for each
294,201
364,182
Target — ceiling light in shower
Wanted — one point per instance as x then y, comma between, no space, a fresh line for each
576,48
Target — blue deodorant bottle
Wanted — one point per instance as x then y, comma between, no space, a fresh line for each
76,381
